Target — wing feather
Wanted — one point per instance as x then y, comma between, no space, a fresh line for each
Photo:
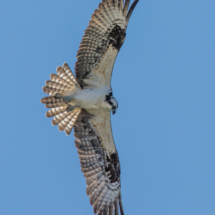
99,160
125,9
100,199
91,188
91,179
102,41
131,10
111,207
93,172
103,209
116,207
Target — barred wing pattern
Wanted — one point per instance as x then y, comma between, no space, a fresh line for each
101,43
95,60
99,161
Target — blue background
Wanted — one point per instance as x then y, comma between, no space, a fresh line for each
164,129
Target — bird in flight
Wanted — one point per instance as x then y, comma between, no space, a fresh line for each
85,100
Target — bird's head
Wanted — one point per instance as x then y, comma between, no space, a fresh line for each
114,105
112,102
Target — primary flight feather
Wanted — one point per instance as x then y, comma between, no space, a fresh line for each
84,102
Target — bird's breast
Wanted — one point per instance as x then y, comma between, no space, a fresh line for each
91,99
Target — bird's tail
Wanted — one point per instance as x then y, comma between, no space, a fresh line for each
61,89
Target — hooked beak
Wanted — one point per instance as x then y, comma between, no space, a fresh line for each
113,111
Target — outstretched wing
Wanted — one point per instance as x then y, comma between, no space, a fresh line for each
101,43
99,161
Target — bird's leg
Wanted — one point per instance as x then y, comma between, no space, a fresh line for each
70,107
67,99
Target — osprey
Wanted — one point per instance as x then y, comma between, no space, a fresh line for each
84,102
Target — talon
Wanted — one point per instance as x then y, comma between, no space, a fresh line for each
58,95
68,107
65,100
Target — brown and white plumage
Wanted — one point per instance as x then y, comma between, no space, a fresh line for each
84,103
95,145
101,43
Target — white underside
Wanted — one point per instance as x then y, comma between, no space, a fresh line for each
91,98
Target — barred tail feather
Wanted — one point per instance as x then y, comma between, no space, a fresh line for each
58,88
52,91
57,79
68,123
55,111
70,74
44,100
55,103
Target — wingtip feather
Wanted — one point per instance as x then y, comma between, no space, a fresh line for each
125,8
131,10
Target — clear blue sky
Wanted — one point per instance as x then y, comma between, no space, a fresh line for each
164,129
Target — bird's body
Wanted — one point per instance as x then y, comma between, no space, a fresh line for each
84,102
92,98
